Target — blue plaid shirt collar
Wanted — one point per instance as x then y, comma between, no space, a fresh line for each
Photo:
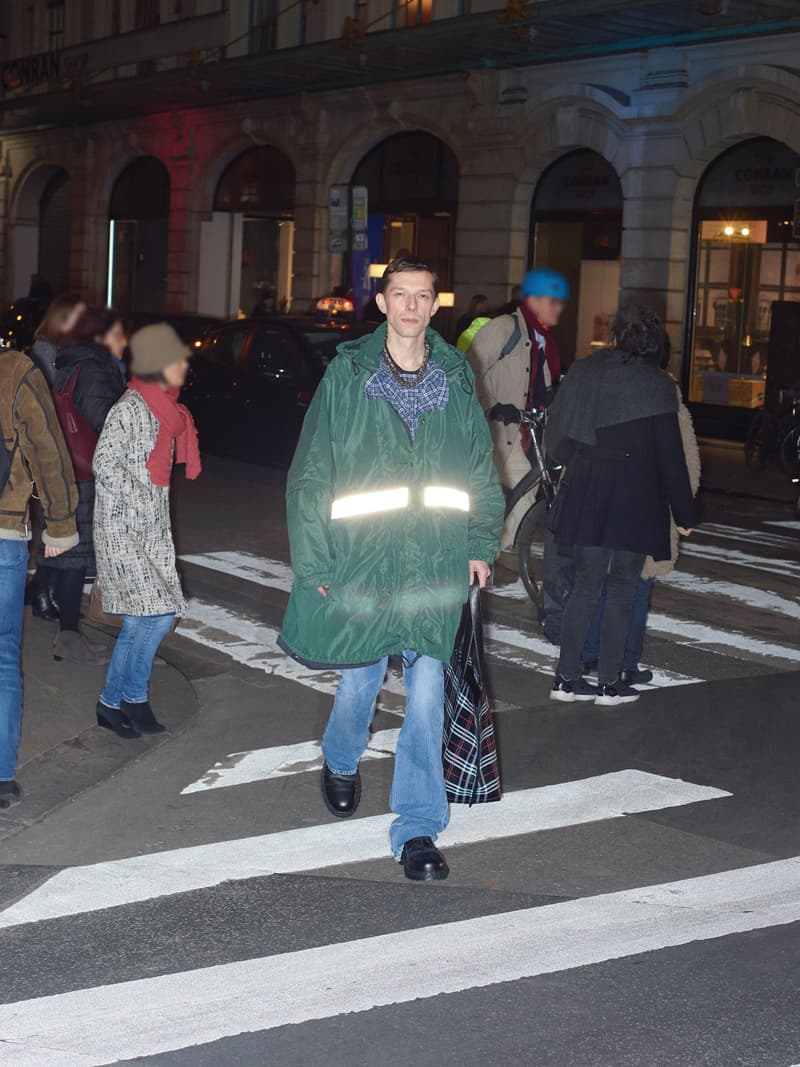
430,394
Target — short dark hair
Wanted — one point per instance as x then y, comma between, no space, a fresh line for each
639,334
408,263
94,322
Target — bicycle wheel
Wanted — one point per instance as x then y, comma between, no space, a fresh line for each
760,441
789,453
530,552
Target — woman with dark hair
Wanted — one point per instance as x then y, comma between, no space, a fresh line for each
58,322
87,375
146,431
614,424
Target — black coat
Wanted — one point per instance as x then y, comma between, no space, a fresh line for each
618,493
100,384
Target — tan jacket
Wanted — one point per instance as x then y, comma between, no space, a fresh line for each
504,381
39,456
692,453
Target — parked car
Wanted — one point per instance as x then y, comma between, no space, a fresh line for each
190,327
251,381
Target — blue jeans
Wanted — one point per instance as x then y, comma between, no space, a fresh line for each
635,639
131,665
418,795
13,568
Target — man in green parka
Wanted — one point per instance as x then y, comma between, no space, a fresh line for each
394,507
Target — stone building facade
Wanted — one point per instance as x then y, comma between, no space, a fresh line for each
618,144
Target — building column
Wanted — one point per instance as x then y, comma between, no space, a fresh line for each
656,240
6,272
310,230
88,257
183,239
492,233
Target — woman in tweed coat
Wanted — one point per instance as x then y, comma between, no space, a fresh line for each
135,553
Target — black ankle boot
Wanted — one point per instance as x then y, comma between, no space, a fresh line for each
142,718
114,719
41,601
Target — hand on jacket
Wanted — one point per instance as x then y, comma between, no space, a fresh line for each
505,413
481,571
323,590
50,551
684,532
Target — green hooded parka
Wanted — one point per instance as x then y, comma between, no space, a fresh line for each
388,525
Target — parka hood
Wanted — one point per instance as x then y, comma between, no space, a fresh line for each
365,352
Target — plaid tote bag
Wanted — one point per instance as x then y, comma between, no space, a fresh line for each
469,755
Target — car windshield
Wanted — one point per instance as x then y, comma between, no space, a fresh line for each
325,342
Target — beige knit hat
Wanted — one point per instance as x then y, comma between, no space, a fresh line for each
154,347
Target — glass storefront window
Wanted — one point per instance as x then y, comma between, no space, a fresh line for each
746,259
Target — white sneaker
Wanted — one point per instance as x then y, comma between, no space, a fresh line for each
568,692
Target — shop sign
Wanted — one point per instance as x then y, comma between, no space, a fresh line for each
756,174
30,71
360,241
580,182
338,218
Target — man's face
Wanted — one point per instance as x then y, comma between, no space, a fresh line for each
546,309
409,302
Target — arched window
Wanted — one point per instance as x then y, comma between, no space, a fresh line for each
138,235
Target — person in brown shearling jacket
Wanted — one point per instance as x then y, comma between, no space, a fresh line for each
37,456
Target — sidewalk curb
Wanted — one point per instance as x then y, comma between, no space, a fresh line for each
78,764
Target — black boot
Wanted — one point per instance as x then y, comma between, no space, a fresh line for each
141,717
341,792
423,862
114,719
39,596
10,794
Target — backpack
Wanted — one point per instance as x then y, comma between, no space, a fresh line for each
79,434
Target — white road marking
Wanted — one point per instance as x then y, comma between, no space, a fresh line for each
501,637
262,764
94,887
741,594
732,557
96,1026
691,633
764,538
794,525
254,644
259,569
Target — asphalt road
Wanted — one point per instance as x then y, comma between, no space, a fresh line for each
633,900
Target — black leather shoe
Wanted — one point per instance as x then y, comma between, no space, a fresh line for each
341,792
141,718
637,677
113,719
423,862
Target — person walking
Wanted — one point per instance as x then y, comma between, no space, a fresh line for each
517,363
393,508
136,570
614,424
58,321
632,673
33,455
478,309
87,374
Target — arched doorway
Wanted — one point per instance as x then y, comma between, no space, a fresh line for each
412,188
248,244
42,230
576,228
745,270
137,237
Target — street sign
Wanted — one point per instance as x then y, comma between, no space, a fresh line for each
359,208
337,209
337,242
360,241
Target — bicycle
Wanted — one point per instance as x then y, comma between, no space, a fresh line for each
776,433
540,483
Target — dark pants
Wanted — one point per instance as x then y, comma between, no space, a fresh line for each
594,566
636,628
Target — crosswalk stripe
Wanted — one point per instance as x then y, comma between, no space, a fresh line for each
271,573
752,596
262,764
733,557
97,1026
691,633
115,882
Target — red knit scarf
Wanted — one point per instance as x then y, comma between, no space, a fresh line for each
175,423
